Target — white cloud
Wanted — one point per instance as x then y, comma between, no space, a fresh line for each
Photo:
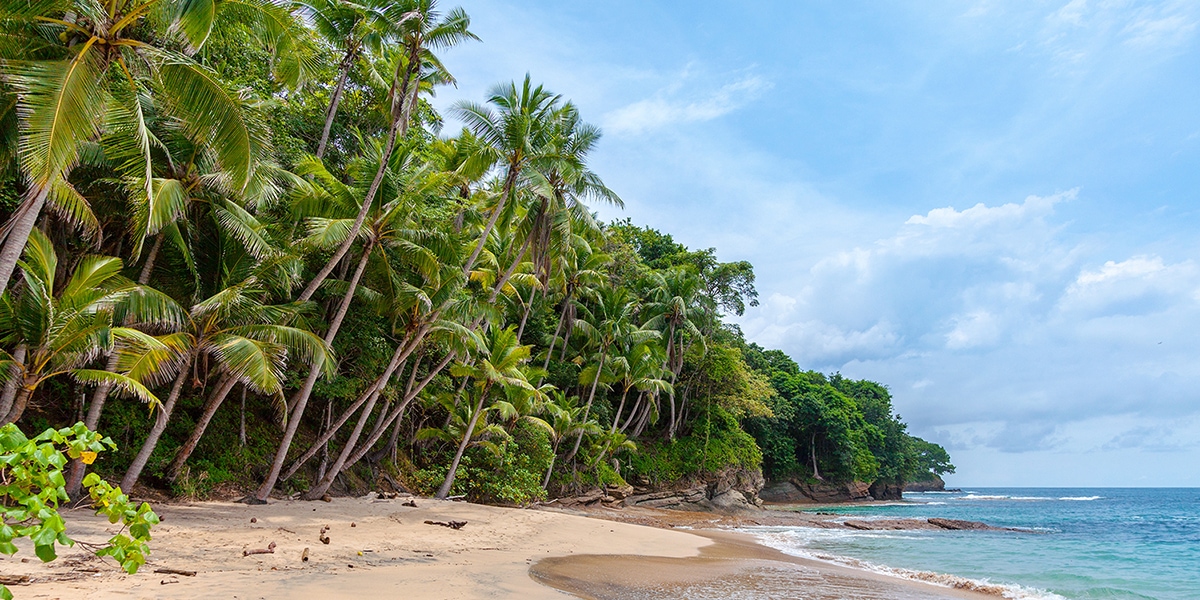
672,106
976,328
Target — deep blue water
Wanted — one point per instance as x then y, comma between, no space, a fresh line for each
1112,543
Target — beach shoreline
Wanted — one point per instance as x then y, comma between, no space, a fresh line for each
381,545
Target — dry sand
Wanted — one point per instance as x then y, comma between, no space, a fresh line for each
390,552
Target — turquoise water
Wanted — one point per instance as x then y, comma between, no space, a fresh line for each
1118,543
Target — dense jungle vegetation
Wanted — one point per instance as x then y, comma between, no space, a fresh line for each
240,242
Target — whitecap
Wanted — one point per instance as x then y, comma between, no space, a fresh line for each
1081,498
787,544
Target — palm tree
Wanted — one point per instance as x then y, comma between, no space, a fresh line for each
423,30
500,367
641,370
564,413
581,275
608,322
516,135
391,233
84,71
65,329
358,29
248,345
672,311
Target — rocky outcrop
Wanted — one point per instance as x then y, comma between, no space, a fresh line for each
929,485
795,491
881,490
731,490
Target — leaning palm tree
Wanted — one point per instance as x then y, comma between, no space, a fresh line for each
673,311
64,329
424,29
248,344
564,417
516,135
605,324
85,70
501,367
359,30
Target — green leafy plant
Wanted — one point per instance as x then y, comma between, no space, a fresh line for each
32,485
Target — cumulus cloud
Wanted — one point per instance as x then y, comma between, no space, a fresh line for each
679,103
1000,329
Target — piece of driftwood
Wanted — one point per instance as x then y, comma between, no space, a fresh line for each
14,580
450,524
270,549
176,572
410,504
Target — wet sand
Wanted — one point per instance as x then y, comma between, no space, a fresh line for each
734,566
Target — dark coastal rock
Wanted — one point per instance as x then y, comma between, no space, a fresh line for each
959,525
881,490
929,485
794,491
731,490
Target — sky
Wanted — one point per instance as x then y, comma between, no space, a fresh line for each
992,207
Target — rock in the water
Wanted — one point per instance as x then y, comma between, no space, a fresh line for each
959,525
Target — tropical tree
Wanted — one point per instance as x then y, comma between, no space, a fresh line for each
500,367
514,136
87,68
424,29
247,343
64,329
673,311
607,322
564,414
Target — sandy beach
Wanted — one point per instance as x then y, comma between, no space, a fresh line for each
381,546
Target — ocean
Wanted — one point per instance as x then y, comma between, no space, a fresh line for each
1081,543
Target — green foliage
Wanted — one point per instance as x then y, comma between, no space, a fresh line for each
32,485
715,442
513,476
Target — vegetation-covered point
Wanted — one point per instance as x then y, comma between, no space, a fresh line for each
247,217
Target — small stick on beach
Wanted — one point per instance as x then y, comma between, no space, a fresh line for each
450,524
176,572
270,549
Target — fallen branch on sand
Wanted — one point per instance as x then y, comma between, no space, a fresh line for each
176,572
270,549
450,524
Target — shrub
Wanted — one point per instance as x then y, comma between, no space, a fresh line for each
32,485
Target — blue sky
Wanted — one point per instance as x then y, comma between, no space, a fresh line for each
993,207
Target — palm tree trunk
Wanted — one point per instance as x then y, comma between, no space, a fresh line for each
326,479
633,412
210,409
300,400
397,413
813,448
620,407
18,228
511,270
588,409
398,128
367,396
671,393
148,266
10,386
19,403
160,425
509,182
444,491
550,469
343,72
525,316
561,317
